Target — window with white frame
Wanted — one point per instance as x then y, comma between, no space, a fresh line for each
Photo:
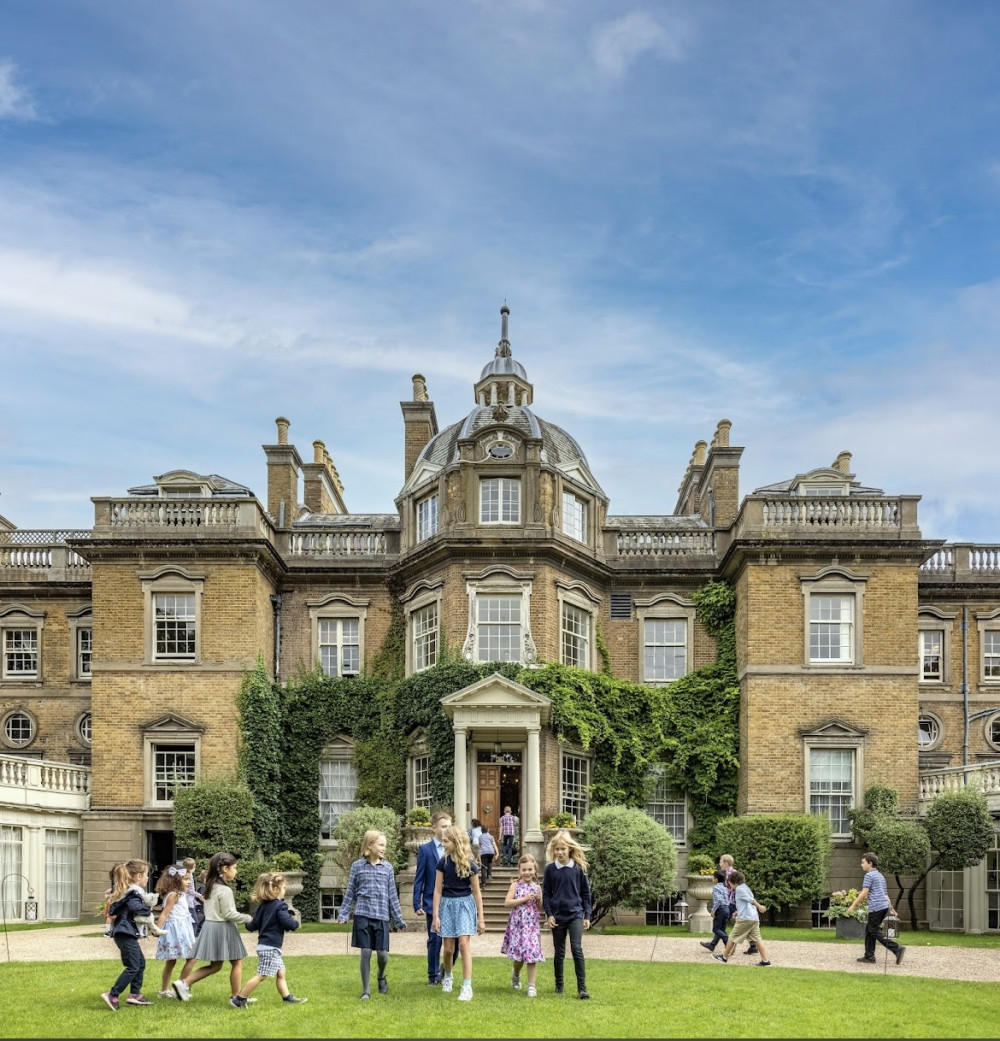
831,629
424,623
574,516
498,628
931,655
991,655
929,731
173,611
62,874
421,781
84,652
500,500
993,732
174,766
85,728
668,807
21,643
340,646
11,861
338,787
664,651
831,786
574,789
427,517
574,644
19,729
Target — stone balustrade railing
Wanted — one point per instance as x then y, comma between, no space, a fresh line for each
963,560
192,516
828,516
41,782
343,543
32,553
985,776
651,543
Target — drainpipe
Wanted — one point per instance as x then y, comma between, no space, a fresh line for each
276,604
965,682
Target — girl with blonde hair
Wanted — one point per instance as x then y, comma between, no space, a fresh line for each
458,907
566,899
371,892
126,903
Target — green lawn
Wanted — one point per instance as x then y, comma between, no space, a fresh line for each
630,999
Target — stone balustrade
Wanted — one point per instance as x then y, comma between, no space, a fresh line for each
43,783
187,517
33,554
653,543
986,776
828,516
343,543
963,561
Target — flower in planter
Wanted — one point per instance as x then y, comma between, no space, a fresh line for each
841,901
558,820
700,864
418,817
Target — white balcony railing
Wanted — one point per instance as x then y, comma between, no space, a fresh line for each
985,776
41,782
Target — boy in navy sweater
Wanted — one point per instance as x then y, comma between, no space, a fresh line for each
566,900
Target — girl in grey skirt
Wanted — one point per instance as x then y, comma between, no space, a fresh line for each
218,940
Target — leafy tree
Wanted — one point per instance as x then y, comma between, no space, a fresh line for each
785,856
350,830
632,859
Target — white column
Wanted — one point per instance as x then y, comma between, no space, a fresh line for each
461,775
533,795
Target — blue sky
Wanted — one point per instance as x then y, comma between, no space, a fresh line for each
216,212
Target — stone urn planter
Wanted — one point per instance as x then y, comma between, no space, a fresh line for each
414,836
699,892
293,886
850,928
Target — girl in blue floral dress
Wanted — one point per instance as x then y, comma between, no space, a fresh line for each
177,941
522,942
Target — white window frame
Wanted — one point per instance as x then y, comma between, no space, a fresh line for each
16,618
580,598
62,880
988,624
416,599
425,635
574,516
158,780
991,731
166,582
338,608
162,735
338,753
499,582
665,607
81,631
661,805
6,720
85,728
427,510
933,620
834,582
11,865
575,763
842,742
507,501
930,724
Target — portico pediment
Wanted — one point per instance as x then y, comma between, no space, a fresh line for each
497,701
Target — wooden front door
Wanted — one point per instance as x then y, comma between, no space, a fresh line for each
488,790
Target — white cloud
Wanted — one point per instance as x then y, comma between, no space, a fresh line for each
15,101
617,45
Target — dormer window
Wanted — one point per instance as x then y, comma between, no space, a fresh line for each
500,501
823,489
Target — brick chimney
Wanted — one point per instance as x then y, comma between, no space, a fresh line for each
843,463
323,491
419,424
283,464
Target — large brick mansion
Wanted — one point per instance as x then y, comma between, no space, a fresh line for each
866,652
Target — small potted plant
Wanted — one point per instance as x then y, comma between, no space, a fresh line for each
556,821
416,831
849,925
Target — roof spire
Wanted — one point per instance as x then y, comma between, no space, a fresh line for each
503,347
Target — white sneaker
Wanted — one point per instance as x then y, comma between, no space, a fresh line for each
165,994
446,982
466,992
515,981
182,990
532,993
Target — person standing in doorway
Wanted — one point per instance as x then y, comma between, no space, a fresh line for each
875,891
428,856
508,828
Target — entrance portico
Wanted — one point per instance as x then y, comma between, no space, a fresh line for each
497,711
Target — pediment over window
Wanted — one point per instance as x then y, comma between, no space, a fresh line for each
339,747
835,729
20,609
172,723
496,701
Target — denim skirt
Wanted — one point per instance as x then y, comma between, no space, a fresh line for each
458,916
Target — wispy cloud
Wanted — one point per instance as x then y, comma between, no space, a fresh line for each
16,101
616,46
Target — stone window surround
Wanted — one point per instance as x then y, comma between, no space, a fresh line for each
986,621
420,595
78,728
513,479
933,619
936,720
338,749
573,752
338,606
657,772
587,504
665,607
167,732
499,580
834,580
417,747
16,748
77,620
167,580
987,730
17,616
419,534
848,739
582,597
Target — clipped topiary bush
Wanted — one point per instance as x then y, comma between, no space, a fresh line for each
785,856
632,859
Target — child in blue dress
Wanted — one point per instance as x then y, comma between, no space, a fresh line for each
458,907
522,942
177,940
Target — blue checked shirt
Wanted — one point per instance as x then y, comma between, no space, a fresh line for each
371,891
878,892
720,897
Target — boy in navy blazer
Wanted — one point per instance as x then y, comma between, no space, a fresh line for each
428,856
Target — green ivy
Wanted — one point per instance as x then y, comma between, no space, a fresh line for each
259,703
